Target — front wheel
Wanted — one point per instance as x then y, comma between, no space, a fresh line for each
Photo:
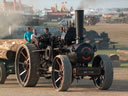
61,73
104,81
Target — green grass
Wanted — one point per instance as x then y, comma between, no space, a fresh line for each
124,64
123,46
110,52
107,52
121,65
123,55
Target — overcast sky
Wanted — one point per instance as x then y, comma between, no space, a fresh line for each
77,3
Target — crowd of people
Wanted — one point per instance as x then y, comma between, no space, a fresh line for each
30,37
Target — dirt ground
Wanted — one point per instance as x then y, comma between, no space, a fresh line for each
82,88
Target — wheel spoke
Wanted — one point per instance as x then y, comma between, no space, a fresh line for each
101,82
58,63
23,72
24,56
102,78
26,76
57,71
58,79
98,81
101,64
21,62
27,59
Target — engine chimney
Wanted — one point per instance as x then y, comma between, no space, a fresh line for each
79,18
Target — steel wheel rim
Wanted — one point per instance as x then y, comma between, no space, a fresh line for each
58,72
0,72
100,79
23,65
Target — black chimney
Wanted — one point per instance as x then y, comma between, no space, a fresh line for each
79,16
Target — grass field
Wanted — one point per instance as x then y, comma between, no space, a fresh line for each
117,33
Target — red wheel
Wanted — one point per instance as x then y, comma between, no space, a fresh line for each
61,73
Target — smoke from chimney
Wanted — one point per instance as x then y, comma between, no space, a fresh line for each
85,4
4,5
4,1
14,5
20,5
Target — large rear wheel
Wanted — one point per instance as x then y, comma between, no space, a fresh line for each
27,66
61,73
104,81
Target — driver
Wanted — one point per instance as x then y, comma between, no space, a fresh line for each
47,34
45,38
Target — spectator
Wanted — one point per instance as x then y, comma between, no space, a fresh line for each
62,33
27,35
34,36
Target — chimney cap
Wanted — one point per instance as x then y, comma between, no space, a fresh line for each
79,10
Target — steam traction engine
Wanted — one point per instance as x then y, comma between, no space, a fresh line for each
63,62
